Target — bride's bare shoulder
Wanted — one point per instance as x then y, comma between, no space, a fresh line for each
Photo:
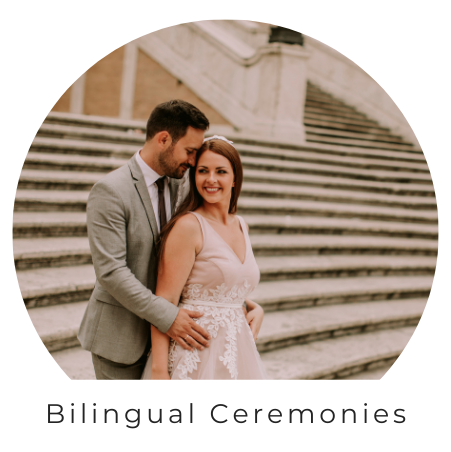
188,221
187,227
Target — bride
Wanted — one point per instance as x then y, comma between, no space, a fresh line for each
207,265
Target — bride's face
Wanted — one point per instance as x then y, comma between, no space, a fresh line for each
214,178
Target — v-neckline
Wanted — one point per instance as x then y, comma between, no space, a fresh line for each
230,248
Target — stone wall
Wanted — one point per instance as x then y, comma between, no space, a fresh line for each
154,85
63,104
103,85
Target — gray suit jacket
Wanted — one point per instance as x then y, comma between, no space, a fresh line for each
122,234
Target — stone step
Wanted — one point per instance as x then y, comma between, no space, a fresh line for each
338,113
373,373
66,251
336,196
338,357
353,161
314,92
51,252
32,179
337,109
72,180
70,251
412,155
327,125
321,138
362,125
55,132
70,162
97,122
49,145
265,224
86,140
76,363
278,268
135,137
304,245
374,138
362,122
291,207
58,325
117,124
300,326
44,161
58,285
61,224
52,200
385,160
326,99
340,183
49,224
290,294
84,144
67,200
368,174
79,180
50,286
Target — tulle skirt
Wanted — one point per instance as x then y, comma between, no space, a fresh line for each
232,354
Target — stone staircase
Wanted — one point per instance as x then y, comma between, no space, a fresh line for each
344,230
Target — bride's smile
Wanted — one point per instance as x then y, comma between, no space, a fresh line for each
214,178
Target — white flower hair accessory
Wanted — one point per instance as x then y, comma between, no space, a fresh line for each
219,137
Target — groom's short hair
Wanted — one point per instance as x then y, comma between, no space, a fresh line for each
174,117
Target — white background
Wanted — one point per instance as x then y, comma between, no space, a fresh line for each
405,47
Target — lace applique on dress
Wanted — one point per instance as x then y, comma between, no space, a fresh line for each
172,355
212,320
216,317
218,295
188,364
229,358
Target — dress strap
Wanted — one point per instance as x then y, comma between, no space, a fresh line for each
202,228
244,229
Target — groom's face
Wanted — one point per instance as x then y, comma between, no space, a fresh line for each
178,157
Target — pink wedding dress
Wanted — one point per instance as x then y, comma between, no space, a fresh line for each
217,286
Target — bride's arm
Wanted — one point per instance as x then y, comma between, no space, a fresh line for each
254,314
254,317
182,245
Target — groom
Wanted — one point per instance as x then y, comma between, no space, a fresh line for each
125,212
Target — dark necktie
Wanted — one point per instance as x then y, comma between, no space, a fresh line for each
161,203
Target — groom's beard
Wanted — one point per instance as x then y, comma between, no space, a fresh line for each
170,166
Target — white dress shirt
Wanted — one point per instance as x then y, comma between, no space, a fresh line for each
150,176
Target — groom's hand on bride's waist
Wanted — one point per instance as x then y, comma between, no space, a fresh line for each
187,333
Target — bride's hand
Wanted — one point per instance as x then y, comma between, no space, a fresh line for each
254,317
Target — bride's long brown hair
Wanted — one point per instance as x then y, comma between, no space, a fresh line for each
194,200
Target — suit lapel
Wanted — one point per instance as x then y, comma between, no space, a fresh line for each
174,185
143,192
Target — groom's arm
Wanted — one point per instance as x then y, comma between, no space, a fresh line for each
107,232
